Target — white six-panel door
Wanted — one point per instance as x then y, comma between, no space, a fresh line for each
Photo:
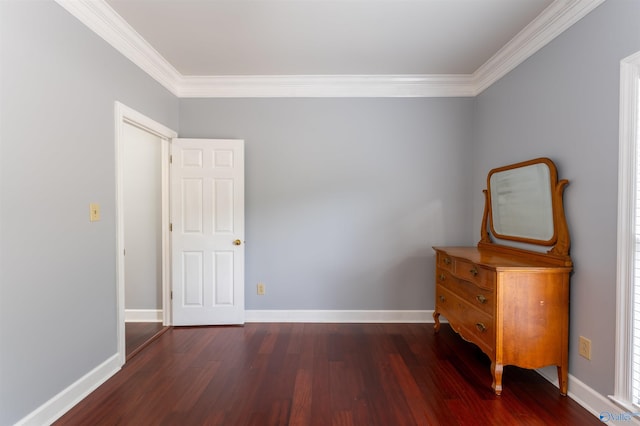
207,215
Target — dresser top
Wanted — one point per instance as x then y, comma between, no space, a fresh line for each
504,258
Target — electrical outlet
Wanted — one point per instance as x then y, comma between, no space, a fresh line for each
260,289
584,347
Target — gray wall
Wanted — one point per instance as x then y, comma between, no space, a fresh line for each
345,197
563,103
58,83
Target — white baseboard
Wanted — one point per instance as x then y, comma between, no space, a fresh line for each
143,315
337,316
600,406
53,409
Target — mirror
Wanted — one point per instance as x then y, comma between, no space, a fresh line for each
521,203
524,203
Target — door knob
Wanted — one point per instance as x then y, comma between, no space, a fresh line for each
237,242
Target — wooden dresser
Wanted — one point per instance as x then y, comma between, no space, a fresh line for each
515,308
512,303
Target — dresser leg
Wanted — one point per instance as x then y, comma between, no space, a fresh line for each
496,370
563,379
436,318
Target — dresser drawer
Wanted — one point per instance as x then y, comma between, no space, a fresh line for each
478,275
478,328
482,298
471,323
444,261
448,305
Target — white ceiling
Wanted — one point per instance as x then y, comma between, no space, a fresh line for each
327,37
275,48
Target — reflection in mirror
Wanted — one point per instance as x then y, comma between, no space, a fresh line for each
521,203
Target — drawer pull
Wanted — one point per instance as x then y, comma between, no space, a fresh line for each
443,277
446,261
481,299
442,298
474,271
481,327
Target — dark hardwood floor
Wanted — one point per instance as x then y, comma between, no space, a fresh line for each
139,334
320,374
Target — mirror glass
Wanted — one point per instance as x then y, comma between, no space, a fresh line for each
521,203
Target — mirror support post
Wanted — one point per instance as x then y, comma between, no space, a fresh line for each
484,233
563,243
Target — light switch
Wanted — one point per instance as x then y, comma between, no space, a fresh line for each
94,212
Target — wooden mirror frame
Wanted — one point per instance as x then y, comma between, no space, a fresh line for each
561,233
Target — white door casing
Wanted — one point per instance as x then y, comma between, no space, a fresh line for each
207,215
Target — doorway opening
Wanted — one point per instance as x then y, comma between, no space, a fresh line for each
142,242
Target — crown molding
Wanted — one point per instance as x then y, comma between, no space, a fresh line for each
553,21
106,23
327,86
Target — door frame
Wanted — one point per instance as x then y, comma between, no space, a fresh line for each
125,115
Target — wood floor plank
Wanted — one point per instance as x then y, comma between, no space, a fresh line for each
302,397
320,374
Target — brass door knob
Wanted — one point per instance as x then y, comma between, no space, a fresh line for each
237,242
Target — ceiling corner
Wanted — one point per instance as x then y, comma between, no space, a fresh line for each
555,19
